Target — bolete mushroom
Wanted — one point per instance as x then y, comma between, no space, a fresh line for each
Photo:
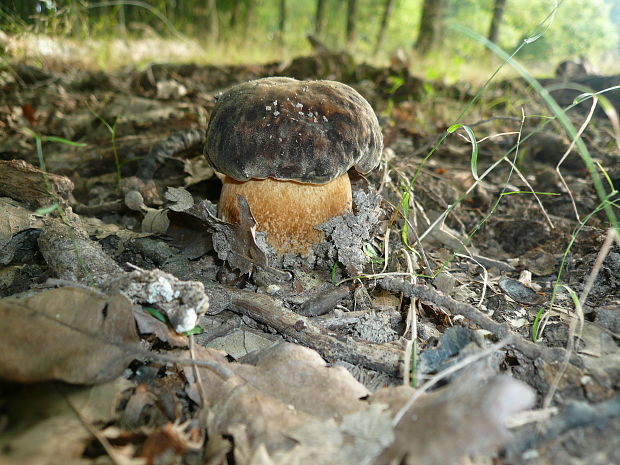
286,146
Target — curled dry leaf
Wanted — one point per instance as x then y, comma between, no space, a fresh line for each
198,170
236,243
180,199
68,334
14,219
167,441
134,201
155,221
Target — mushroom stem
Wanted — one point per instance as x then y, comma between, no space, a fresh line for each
287,211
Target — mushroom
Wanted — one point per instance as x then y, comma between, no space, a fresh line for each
286,146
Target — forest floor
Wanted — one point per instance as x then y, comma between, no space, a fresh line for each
494,294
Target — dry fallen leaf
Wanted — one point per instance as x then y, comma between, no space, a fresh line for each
170,440
234,243
180,199
198,169
68,334
286,387
14,219
467,417
43,425
155,221
285,405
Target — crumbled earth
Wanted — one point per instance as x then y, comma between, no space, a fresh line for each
485,260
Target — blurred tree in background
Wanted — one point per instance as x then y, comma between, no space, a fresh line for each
366,26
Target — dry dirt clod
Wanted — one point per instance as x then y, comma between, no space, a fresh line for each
181,301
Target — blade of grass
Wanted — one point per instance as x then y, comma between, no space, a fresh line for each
556,110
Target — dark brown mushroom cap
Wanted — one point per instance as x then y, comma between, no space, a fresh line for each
281,128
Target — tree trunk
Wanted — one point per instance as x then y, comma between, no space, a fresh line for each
214,30
319,19
496,21
431,25
282,21
249,16
122,22
234,14
351,21
387,12
23,9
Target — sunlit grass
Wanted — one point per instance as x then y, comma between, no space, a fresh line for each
113,53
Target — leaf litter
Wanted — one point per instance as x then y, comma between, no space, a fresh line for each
295,399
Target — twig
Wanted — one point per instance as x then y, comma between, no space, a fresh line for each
502,331
201,387
574,415
264,309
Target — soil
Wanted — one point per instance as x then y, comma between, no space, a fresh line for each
427,216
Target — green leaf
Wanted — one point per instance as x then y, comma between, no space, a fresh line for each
474,146
397,83
370,252
607,178
539,316
404,204
454,127
334,268
474,152
582,97
46,210
63,141
195,330
31,133
157,314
